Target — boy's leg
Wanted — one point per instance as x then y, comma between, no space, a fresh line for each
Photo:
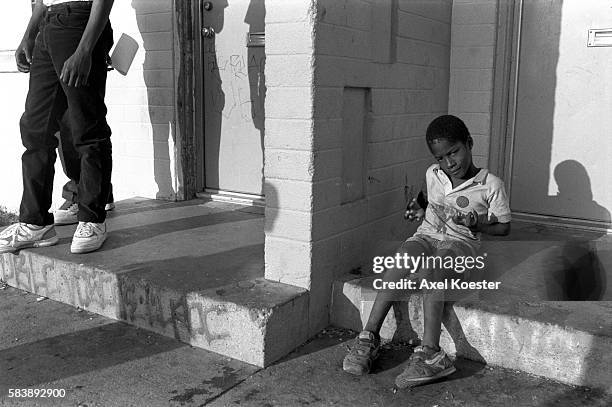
385,298
433,305
365,351
429,362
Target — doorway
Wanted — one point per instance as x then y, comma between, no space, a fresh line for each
560,102
233,96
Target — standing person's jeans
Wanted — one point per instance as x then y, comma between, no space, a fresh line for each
71,163
48,98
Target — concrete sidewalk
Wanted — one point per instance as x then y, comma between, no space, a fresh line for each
101,362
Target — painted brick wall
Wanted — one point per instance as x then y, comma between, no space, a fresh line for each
474,26
311,237
141,104
14,87
289,143
401,57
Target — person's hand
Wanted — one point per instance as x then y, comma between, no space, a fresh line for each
414,212
76,69
469,219
23,55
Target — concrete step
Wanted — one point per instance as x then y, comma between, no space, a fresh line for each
566,341
518,326
192,271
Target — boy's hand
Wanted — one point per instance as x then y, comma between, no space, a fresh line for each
414,212
469,219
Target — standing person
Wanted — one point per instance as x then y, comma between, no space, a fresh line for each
64,49
460,202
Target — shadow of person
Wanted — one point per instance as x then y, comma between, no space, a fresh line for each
158,74
256,57
579,274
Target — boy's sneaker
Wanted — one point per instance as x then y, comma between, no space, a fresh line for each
362,354
109,206
425,365
88,237
23,235
67,214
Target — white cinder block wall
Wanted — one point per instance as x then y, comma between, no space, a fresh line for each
474,27
289,141
399,58
141,104
14,86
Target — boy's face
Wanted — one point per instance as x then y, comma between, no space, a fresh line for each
455,158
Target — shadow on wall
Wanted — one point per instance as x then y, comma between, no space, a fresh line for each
256,57
159,80
581,275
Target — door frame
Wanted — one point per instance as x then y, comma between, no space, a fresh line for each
503,119
198,95
505,88
185,42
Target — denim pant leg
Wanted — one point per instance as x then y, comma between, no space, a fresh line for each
71,162
38,125
86,111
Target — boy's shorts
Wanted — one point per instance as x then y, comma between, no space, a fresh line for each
432,247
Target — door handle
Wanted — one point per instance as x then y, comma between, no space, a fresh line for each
208,32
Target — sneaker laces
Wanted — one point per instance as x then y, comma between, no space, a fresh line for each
73,208
362,346
84,229
11,231
15,231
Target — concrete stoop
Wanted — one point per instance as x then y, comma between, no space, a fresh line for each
248,321
187,271
566,341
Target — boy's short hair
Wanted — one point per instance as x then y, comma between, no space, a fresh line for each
447,127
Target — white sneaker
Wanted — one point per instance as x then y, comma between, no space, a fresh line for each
88,237
67,214
23,235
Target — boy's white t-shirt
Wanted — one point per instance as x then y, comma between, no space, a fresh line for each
484,193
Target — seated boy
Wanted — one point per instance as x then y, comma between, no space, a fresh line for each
460,203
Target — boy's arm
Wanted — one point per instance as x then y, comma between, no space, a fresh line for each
495,229
76,68
416,207
23,55
497,222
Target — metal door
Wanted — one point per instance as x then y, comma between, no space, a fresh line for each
234,94
562,140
